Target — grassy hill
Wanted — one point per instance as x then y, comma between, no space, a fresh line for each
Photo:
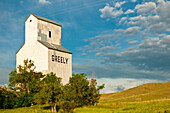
146,98
145,92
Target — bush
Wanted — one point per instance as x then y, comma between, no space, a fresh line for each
7,99
24,100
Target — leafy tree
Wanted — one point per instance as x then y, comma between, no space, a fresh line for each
51,91
24,100
75,93
35,82
7,99
12,78
94,92
69,101
25,77
78,92
28,81
2,99
80,85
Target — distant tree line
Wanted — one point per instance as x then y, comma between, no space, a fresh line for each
31,88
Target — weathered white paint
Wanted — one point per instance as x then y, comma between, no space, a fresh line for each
31,29
45,27
62,70
40,54
36,52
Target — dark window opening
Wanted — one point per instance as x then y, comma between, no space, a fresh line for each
30,20
50,34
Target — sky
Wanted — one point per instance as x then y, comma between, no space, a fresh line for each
126,43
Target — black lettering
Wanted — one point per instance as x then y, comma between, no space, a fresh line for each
58,58
52,57
66,60
61,59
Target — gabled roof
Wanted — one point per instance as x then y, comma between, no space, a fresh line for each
45,19
54,47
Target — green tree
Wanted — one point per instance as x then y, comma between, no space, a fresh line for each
51,91
27,81
26,77
24,100
80,85
7,99
94,92
12,78
75,93
69,100
80,92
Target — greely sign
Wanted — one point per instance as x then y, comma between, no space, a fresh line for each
59,59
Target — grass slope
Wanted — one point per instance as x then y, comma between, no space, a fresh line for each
145,92
146,98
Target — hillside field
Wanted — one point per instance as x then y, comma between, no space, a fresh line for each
146,98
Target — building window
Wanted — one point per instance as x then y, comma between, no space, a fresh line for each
49,34
30,20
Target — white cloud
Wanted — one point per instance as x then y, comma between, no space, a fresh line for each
129,11
151,54
21,2
83,54
122,19
117,13
118,84
147,7
157,22
158,27
110,12
140,17
163,11
133,42
106,11
133,0
108,69
140,20
131,31
161,1
106,48
119,4
44,2
149,57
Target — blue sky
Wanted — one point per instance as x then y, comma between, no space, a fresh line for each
125,42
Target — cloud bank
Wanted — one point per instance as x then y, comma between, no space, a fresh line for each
138,50
44,2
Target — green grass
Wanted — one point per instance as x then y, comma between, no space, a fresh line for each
147,98
145,92
142,107
34,109
139,107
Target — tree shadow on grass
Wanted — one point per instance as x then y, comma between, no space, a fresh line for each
46,107
49,108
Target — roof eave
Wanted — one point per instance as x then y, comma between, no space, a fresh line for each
42,20
54,49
